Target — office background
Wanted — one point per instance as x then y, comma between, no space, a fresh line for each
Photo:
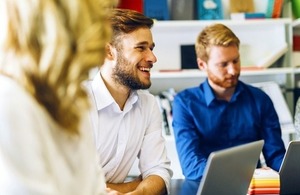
270,50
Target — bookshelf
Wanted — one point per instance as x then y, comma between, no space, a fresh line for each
262,51
270,35
296,53
296,23
267,57
266,52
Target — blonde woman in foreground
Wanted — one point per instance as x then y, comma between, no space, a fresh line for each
47,48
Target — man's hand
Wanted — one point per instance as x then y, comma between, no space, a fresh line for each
125,187
113,192
153,185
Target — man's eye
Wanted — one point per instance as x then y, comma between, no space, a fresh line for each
141,48
236,61
222,65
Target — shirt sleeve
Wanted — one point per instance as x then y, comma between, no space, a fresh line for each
153,153
274,148
192,159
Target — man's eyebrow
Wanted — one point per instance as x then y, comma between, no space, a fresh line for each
145,43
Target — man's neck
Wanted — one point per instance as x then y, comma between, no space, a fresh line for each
119,92
223,93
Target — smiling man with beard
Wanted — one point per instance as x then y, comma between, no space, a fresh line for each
222,111
126,119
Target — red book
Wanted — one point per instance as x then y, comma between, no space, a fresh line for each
262,191
136,5
296,43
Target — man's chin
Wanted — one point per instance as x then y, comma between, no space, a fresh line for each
230,85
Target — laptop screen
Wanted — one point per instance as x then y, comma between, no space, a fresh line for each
290,170
230,171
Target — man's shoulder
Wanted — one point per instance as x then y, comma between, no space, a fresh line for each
146,101
145,96
188,92
145,93
256,92
253,89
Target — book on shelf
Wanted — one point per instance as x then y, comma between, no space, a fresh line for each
183,10
274,8
262,56
270,56
241,6
245,16
264,181
270,8
209,10
162,106
156,9
136,5
165,100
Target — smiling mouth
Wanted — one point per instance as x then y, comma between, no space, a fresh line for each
144,69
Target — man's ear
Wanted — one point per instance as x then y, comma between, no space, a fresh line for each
109,51
201,64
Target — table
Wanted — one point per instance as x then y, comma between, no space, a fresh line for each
183,187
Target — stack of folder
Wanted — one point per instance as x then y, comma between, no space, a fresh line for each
264,181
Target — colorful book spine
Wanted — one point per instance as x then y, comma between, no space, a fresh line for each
277,8
270,7
156,9
183,10
210,10
136,5
264,181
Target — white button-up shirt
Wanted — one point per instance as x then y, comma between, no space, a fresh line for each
37,156
121,136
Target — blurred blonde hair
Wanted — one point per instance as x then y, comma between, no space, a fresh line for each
49,46
214,35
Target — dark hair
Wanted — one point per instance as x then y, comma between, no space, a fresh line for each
124,21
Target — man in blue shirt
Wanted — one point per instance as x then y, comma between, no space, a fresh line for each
223,111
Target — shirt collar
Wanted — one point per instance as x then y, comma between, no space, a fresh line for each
210,96
103,97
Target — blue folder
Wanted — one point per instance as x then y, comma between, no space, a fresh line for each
156,9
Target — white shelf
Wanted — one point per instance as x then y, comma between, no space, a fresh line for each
167,24
296,23
177,74
195,73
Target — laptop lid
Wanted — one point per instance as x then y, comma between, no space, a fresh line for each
230,171
289,171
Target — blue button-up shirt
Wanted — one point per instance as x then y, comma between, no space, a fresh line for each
203,124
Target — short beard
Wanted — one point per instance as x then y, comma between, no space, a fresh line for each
127,78
219,82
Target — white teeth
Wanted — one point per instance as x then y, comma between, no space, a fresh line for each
145,69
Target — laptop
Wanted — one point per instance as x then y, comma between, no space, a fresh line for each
289,171
230,171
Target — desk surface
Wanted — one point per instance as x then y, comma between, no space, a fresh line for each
183,187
